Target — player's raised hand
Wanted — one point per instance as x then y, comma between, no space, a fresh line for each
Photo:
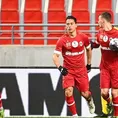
63,70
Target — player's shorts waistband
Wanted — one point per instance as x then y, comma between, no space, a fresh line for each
74,53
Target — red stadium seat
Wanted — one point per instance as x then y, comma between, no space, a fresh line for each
5,41
55,17
105,5
56,5
80,5
33,5
33,15
9,17
11,5
83,17
32,40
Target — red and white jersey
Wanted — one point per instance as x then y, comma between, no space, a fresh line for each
103,38
72,50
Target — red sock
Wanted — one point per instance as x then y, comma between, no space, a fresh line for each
107,98
71,104
0,101
115,105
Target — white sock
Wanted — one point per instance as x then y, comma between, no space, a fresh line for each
75,115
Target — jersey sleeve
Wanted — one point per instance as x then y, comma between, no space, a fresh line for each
87,43
58,48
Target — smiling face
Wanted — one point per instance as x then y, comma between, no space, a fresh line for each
70,25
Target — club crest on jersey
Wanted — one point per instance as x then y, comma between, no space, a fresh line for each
74,44
80,43
105,38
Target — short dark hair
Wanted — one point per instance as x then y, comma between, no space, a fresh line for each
71,17
106,16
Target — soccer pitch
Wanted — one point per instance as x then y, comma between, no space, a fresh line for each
47,117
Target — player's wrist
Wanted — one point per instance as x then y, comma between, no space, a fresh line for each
60,68
88,66
63,70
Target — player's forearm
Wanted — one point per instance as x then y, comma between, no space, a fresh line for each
89,55
56,60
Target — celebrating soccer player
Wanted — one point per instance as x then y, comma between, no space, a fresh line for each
107,39
74,70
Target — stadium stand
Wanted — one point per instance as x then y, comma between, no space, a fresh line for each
56,5
105,5
81,12
33,15
80,5
56,15
9,15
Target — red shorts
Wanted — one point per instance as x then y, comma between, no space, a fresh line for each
109,78
77,78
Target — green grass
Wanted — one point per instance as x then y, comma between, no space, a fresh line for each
45,117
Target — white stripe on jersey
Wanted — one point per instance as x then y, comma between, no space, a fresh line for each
57,52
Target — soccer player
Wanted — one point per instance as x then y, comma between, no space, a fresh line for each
72,46
109,60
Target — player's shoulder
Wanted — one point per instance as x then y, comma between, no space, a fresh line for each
63,36
82,34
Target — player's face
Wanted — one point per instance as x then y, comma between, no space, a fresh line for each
101,22
70,25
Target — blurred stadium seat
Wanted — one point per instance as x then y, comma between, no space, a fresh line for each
80,5
56,15
81,12
33,15
9,15
11,5
56,5
104,5
6,38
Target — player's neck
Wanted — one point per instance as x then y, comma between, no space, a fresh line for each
73,34
108,27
